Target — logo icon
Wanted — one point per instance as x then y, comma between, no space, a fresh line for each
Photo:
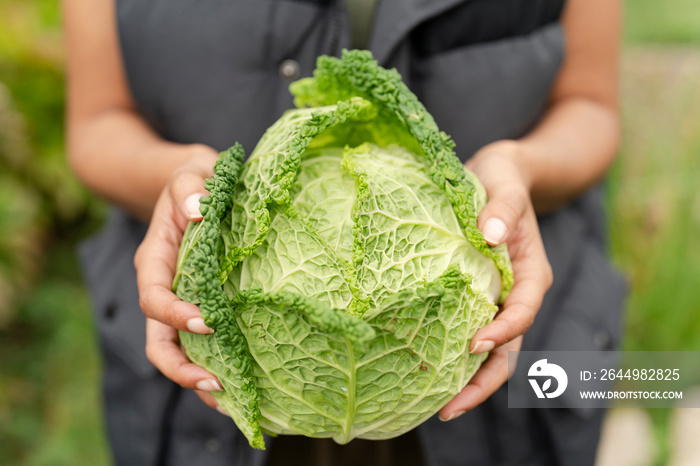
541,369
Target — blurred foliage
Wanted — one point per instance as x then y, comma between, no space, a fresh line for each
662,21
41,201
654,200
49,402
654,206
49,396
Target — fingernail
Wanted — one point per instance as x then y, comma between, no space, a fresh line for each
483,346
192,206
197,325
494,231
209,385
454,415
221,410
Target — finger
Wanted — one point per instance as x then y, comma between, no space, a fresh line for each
159,303
501,214
532,275
210,401
513,359
492,374
163,350
186,189
519,311
155,262
496,168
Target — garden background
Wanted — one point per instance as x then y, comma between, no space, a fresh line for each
49,363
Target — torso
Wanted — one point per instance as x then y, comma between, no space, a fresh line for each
211,72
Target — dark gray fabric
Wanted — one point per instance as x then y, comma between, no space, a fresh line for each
506,107
208,72
108,267
150,421
481,21
396,18
200,435
135,394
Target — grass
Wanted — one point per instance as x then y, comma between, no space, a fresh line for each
49,363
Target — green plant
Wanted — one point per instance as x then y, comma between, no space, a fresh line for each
344,273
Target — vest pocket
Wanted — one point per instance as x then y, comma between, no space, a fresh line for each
107,262
498,90
481,21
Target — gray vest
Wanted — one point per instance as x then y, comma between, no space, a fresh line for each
217,72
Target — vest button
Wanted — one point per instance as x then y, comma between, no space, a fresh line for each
213,445
289,69
602,340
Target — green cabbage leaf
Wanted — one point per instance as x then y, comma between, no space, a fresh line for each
341,266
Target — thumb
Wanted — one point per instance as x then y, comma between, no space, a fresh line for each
191,207
186,190
501,215
187,183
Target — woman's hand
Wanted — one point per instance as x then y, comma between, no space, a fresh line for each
568,151
155,263
507,217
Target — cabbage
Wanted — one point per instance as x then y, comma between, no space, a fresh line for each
341,265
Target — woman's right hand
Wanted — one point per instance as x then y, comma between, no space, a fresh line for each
155,263
508,217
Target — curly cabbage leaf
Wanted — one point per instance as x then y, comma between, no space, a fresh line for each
341,266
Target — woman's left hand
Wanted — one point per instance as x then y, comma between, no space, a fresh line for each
507,217
155,262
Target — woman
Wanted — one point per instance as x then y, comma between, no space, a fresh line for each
528,90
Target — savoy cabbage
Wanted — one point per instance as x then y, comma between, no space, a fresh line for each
341,265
